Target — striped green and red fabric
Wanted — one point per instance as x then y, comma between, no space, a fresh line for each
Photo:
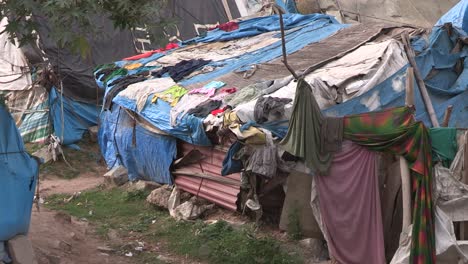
395,130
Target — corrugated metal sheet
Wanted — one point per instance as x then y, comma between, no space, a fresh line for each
224,195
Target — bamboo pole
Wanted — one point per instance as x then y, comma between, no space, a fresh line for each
448,113
404,168
419,80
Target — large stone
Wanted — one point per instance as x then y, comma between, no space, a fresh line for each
117,176
160,196
21,250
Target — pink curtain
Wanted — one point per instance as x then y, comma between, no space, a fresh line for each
350,207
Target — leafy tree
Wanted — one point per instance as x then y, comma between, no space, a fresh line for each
71,23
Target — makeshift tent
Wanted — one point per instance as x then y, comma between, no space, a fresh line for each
230,88
19,174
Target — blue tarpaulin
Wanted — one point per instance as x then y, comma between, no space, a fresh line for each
76,119
445,72
18,176
146,155
458,16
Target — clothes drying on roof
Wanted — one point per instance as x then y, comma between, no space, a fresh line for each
119,85
133,66
228,26
350,207
223,92
187,102
267,107
181,69
205,108
141,90
171,95
149,53
263,160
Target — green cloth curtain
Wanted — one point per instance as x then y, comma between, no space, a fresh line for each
304,138
444,144
396,131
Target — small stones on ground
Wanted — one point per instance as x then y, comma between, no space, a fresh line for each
62,245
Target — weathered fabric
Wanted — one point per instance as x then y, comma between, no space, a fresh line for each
171,95
269,107
304,135
350,207
396,131
444,144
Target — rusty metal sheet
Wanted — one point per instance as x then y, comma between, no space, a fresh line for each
224,195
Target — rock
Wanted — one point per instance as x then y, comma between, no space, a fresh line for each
117,176
160,196
316,247
61,245
105,249
144,185
93,133
21,250
191,210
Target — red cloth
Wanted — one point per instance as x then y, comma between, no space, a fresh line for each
229,26
217,111
350,206
149,53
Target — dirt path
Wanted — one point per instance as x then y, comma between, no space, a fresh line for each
59,239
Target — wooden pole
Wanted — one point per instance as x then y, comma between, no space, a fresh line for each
448,113
404,168
419,80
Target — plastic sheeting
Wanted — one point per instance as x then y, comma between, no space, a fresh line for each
19,173
145,154
458,16
189,128
76,118
14,70
438,65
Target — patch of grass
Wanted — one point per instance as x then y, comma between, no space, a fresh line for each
294,225
129,213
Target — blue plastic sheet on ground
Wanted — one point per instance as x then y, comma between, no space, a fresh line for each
146,155
289,6
76,119
259,25
18,176
458,16
189,129
445,73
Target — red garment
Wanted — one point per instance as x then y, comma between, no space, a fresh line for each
149,53
228,90
229,26
217,111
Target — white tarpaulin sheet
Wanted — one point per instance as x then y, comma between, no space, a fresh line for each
14,71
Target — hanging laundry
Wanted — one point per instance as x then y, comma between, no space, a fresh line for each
444,144
205,108
149,53
263,160
231,165
305,135
171,95
395,130
181,69
269,107
350,207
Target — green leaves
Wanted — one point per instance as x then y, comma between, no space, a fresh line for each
71,24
